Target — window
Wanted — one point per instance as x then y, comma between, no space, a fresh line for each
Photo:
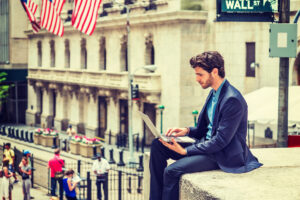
67,54
83,59
52,53
102,61
4,32
124,54
149,58
39,52
250,59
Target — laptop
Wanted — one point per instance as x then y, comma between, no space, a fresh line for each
155,132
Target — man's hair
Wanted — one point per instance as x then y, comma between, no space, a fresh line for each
208,61
56,151
68,172
7,144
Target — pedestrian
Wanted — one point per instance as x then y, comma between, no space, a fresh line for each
6,187
56,165
25,169
70,185
100,169
220,134
71,133
10,154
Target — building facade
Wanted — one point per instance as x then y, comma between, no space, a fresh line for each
82,80
13,61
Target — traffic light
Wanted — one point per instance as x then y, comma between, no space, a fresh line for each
135,92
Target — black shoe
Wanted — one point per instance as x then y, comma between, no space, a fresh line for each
31,197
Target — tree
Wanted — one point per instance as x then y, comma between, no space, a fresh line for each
3,88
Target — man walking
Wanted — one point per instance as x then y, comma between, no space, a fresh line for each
220,133
55,165
10,155
100,169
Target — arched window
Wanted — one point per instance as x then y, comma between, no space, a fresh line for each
102,53
52,53
83,56
124,54
39,53
67,54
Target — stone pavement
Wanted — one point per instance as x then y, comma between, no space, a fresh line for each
37,193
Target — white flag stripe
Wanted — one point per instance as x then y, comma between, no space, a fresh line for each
85,17
50,19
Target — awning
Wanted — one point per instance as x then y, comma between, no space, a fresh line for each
15,74
263,105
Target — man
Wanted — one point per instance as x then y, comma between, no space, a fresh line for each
71,133
55,165
10,155
100,169
220,133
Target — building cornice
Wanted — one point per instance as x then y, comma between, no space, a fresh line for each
149,19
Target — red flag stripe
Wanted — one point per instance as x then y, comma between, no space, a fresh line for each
94,22
30,7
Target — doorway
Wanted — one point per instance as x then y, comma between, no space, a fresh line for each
102,116
123,116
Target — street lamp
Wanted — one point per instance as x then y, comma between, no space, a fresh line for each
195,114
161,108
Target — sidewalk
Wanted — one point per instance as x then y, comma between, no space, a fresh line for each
37,193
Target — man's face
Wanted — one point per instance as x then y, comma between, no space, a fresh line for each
99,158
204,78
6,147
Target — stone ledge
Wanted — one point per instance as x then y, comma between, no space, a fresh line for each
276,179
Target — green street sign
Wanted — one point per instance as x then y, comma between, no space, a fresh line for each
249,6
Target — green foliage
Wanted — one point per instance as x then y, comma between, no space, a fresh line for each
3,88
191,5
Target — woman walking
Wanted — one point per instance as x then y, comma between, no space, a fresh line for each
69,186
6,188
25,170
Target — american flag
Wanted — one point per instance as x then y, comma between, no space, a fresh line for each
30,7
50,19
85,14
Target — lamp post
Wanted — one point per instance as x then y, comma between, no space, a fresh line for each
161,108
195,114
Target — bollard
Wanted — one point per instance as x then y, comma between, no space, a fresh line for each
3,130
9,131
65,148
26,137
141,167
139,189
94,153
129,185
17,133
121,162
143,144
54,146
103,152
109,138
13,132
89,186
31,137
111,157
137,143
22,135
78,166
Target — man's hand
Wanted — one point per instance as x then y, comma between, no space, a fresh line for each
177,132
174,146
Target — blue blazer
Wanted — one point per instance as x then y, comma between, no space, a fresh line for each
228,142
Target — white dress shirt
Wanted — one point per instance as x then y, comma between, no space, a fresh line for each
100,166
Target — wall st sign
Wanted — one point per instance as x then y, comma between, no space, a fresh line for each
249,6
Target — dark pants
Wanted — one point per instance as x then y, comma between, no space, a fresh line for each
164,181
102,180
54,185
71,198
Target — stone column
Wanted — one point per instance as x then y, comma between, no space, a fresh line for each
113,116
45,122
74,108
59,109
92,114
32,104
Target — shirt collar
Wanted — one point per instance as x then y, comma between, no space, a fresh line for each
217,93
